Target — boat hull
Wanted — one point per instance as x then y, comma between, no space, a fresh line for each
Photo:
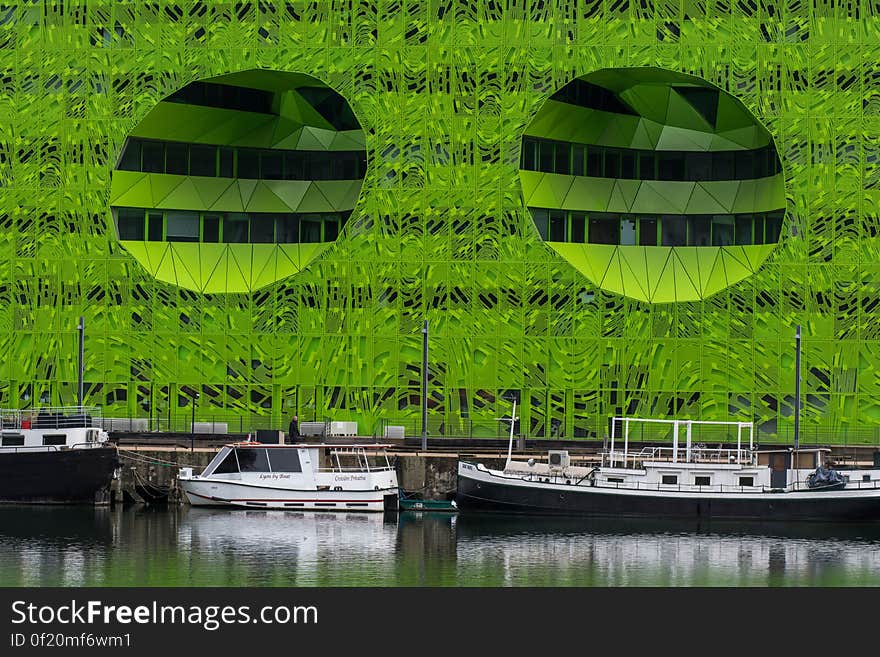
479,490
218,493
70,476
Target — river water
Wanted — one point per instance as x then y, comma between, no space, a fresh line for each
201,547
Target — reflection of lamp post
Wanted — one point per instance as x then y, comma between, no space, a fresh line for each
192,440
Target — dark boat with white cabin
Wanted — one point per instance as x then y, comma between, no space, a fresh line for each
308,477
684,481
57,455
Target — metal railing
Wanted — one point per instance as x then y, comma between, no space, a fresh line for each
51,417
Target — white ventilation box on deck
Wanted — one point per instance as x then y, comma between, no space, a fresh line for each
343,429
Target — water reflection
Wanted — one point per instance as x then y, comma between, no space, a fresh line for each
201,547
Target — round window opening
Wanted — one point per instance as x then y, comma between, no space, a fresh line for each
653,184
235,182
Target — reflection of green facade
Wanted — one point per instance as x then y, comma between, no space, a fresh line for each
440,231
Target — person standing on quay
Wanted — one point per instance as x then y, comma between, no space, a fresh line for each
293,429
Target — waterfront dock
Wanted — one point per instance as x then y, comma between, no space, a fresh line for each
149,469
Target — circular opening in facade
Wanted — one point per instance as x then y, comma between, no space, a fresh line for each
654,184
238,181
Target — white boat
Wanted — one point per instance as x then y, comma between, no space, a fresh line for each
315,477
681,481
55,455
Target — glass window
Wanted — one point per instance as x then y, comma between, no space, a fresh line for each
211,228
55,439
612,164
673,230
670,480
722,165
131,156
270,165
628,165
227,465
545,156
202,160
595,157
743,229
563,159
627,231
284,459
773,227
578,229
557,226
12,440
759,229
286,229
253,459
176,159
331,228
702,480
227,162
647,167
527,156
319,166
670,166
131,223
181,226
698,166
722,230
153,157
578,154
699,230
235,228
154,227
310,229
294,166
248,164
349,167
746,481
604,229
648,231
262,229
542,219
744,162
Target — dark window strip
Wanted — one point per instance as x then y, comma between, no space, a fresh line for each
152,225
658,230
224,96
592,96
568,158
154,156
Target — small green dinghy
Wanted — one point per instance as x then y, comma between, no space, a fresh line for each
408,503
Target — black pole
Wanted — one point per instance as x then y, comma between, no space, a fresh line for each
82,342
192,428
797,387
425,386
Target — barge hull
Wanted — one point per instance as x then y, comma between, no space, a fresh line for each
499,497
70,476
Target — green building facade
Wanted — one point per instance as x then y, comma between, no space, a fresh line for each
601,208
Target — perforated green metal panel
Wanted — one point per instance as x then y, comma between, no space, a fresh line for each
444,91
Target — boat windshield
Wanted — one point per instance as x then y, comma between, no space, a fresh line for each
254,459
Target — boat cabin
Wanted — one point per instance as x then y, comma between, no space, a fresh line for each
243,458
49,429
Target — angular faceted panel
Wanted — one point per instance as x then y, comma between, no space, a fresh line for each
653,184
235,182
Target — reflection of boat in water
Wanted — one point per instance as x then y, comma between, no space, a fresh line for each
254,532
313,477
55,455
691,482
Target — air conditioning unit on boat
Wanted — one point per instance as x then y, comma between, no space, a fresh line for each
558,459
